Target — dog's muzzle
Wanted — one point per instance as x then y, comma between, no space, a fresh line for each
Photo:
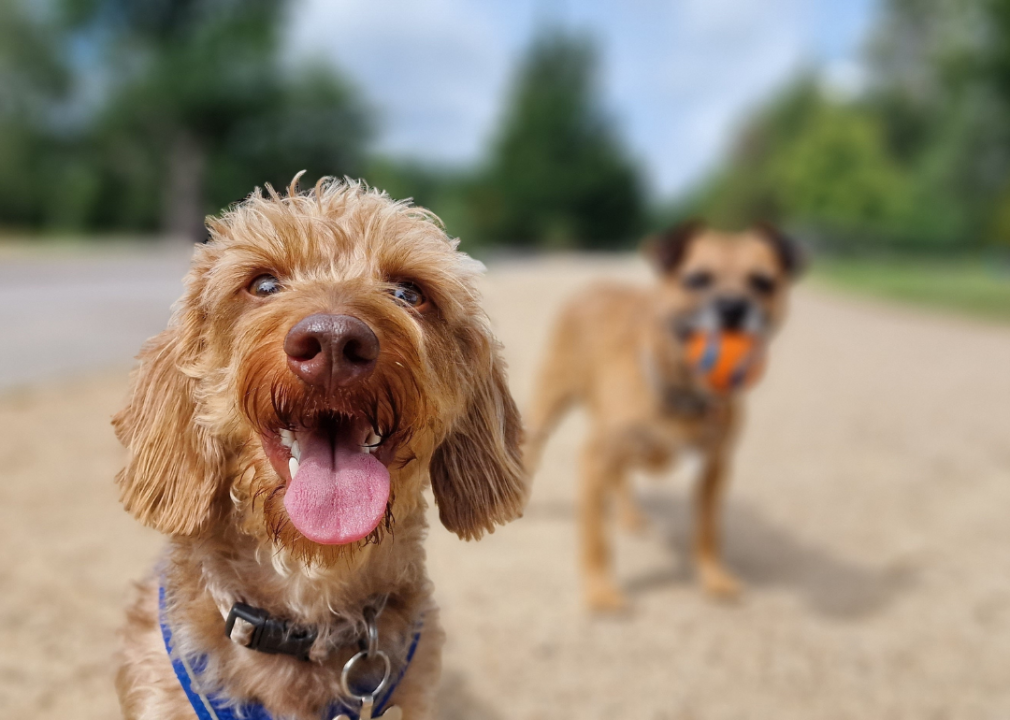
723,314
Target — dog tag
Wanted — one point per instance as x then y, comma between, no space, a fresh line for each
393,712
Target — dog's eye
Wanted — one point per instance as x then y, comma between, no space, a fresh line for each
761,284
264,285
697,280
409,294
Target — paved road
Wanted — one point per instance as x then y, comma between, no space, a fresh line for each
68,312
867,517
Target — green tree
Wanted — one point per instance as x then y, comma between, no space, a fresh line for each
558,175
34,84
918,161
817,164
937,94
200,109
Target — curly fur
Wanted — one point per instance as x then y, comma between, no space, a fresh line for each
209,387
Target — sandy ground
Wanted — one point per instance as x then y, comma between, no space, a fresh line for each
868,516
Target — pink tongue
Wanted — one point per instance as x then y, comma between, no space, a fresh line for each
336,505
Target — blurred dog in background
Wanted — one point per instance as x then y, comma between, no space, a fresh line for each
622,352
328,359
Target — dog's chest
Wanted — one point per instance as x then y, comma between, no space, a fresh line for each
668,432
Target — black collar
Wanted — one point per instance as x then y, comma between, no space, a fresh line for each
280,636
686,402
272,635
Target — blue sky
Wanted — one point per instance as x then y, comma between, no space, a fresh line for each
677,76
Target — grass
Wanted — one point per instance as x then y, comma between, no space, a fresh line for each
972,287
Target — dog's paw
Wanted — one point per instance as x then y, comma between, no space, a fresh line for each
719,583
602,596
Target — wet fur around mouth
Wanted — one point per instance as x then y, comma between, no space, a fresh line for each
273,400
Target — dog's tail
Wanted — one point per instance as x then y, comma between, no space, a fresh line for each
559,386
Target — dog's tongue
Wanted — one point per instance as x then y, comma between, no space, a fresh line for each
339,493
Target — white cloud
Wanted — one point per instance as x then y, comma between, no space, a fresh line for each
677,75
844,79
683,84
434,70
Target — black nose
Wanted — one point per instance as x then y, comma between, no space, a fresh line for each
331,350
732,312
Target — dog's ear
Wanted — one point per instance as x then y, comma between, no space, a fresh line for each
174,466
791,256
667,249
477,472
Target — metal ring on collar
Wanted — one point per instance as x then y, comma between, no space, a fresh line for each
373,631
349,666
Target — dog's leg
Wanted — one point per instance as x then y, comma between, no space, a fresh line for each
715,578
600,476
560,383
629,514
549,406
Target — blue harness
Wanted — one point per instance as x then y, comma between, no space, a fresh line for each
212,707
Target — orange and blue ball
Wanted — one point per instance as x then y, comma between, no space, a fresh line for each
725,361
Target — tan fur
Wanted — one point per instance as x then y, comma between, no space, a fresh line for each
207,389
611,350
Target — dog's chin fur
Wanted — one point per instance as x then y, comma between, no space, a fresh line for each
213,391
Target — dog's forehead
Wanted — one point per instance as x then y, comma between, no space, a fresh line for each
732,253
344,247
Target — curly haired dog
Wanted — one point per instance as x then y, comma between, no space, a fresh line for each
621,351
328,359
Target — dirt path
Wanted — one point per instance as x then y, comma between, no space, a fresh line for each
868,516
66,312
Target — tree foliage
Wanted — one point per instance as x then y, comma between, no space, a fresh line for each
170,110
34,83
919,160
558,175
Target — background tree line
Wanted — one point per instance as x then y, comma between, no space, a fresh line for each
143,117
916,161
118,115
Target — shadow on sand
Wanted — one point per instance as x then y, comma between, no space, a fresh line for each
763,554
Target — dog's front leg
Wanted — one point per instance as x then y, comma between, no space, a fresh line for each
715,578
629,514
601,476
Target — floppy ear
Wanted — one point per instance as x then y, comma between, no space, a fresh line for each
667,249
477,472
791,256
174,466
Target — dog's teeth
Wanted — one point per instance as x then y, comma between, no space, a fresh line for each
373,439
296,451
287,438
293,467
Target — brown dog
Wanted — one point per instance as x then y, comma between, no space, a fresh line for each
620,351
328,359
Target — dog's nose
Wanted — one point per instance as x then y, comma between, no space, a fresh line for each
732,312
331,350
